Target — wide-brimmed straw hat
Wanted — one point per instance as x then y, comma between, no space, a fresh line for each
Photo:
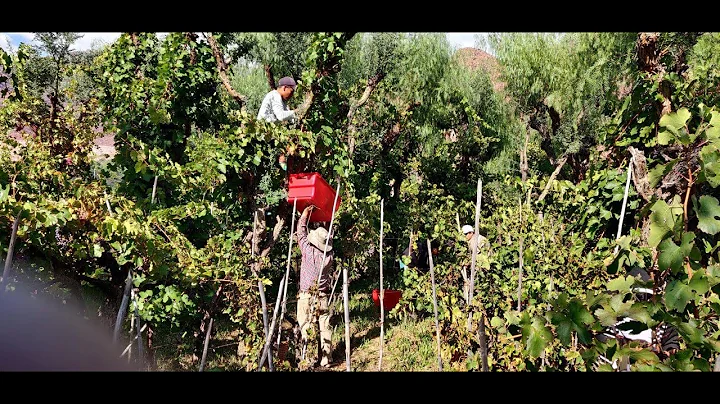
318,238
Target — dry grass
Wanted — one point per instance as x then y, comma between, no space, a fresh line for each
408,345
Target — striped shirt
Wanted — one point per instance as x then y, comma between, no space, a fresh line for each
274,108
311,262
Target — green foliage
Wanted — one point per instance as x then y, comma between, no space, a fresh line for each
52,54
12,78
703,62
370,54
249,79
552,276
564,83
283,52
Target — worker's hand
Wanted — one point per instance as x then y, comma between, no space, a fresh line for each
308,209
301,110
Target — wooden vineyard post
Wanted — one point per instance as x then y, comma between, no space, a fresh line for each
437,325
474,256
11,247
347,318
282,294
520,261
381,292
261,287
287,273
123,307
141,353
267,350
622,210
205,345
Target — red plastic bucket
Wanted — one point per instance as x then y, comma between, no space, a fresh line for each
391,298
312,189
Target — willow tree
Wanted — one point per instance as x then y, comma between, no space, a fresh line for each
562,85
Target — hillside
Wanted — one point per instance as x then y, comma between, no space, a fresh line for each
476,58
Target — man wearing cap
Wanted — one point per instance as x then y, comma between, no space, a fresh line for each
313,248
274,107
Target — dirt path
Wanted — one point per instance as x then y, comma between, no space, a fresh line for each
105,145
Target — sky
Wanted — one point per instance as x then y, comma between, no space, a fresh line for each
464,39
11,40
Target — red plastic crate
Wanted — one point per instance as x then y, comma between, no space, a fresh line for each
390,298
312,189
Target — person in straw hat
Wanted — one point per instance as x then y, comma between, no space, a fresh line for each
315,249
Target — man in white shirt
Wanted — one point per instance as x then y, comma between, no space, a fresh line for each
481,259
273,107
472,239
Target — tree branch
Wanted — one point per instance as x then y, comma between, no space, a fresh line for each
191,37
326,68
275,235
394,133
222,70
559,167
371,85
640,174
523,158
352,129
270,77
305,106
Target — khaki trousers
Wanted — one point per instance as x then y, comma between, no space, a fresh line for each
306,319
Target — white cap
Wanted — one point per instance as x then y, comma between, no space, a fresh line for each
467,229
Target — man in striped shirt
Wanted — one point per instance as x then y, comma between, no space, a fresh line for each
316,257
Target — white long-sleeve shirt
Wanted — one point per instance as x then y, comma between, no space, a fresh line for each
274,108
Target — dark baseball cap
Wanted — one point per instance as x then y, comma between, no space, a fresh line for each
287,81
